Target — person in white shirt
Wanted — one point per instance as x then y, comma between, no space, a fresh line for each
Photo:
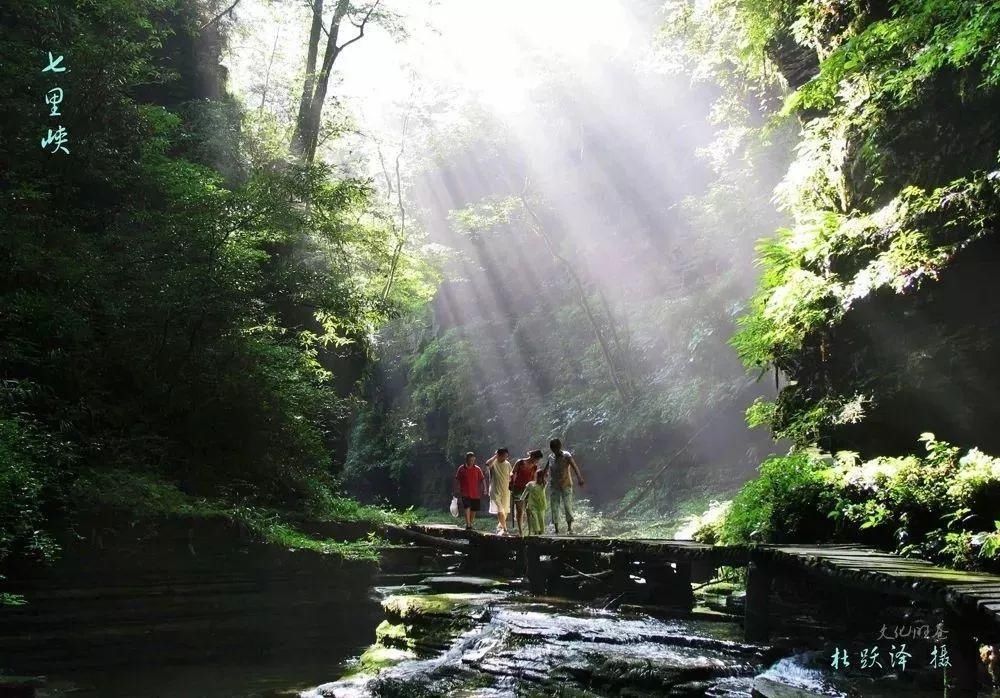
499,468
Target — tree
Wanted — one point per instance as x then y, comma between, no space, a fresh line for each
317,79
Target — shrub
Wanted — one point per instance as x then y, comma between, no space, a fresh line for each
29,467
941,506
785,503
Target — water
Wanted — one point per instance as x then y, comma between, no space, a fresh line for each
524,645
503,643
314,639
271,637
244,669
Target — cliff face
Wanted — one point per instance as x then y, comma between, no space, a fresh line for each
878,304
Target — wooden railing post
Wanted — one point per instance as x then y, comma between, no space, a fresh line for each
756,626
683,570
619,570
702,571
533,568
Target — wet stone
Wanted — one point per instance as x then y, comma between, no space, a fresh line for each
458,584
769,688
488,645
381,592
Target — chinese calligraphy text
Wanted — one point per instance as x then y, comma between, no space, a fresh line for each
58,138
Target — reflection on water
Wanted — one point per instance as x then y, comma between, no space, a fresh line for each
187,609
250,655
287,677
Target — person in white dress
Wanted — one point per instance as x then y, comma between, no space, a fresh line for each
499,467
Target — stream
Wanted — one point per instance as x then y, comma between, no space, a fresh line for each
479,637
426,628
521,646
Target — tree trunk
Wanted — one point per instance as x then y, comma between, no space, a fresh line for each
310,116
621,351
305,101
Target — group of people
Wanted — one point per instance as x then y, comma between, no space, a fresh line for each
531,488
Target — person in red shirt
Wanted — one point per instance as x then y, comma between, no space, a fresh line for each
469,485
523,473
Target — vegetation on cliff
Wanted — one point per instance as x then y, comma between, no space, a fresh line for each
874,304
186,306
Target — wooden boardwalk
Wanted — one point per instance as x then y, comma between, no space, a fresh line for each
970,601
854,566
673,550
972,594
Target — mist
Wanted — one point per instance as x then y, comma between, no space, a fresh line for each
555,168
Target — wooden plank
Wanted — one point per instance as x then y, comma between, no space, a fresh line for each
936,575
817,555
939,575
871,559
855,552
975,588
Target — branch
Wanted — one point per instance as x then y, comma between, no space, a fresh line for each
267,75
220,15
648,487
361,26
401,239
539,229
597,576
385,170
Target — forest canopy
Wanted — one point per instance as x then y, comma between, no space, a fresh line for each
187,303
265,279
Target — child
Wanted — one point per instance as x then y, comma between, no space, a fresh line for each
523,473
534,496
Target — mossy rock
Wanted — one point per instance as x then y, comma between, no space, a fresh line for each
378,657
423,640
764,687
392,635
428,624
621,673
424,608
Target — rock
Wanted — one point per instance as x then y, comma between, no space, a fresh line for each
736,602
422,608
20,686
764,687
458,584
378,657
381,592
